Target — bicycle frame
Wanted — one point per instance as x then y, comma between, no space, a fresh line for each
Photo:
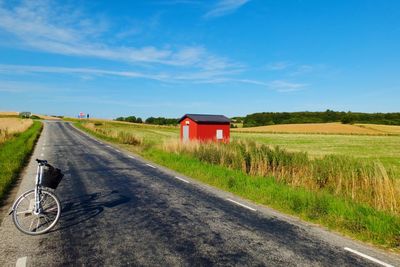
38,181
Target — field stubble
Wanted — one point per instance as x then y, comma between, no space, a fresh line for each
11,126
324,128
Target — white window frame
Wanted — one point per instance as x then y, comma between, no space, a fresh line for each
220,134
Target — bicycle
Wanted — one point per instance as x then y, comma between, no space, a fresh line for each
38,210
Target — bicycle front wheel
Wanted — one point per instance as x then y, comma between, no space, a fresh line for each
27,221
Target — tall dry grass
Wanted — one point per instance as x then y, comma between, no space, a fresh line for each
121,136
362,181
11,126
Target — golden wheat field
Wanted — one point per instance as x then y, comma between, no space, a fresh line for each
391,129
46,117
8,113
318,128
11,126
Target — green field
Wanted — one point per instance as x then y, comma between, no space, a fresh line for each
346,191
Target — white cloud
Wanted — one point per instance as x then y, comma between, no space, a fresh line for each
224,7
43,26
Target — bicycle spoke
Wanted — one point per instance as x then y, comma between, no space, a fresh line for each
37,225
30,227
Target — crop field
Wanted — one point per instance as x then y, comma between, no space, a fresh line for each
8,113
324,128
351,180
11,126
391,129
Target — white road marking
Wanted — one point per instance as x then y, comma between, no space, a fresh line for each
240,204
368,257
183,180
21,262
131,157
117,150
109,146
42,155
151,166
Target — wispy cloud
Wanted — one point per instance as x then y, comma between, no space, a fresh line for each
21,69
224,7
285,86
281,65
46,27
203,77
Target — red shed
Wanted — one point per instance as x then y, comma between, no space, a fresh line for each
205,127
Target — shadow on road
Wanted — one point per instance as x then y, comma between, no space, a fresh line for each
85,207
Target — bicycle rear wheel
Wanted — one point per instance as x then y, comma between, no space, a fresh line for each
30,223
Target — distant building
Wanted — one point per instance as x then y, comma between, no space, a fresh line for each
204,127
25,114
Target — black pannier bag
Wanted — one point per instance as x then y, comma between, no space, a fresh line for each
51,176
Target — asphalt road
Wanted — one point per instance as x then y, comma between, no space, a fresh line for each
119,211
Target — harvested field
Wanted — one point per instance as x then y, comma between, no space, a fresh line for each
45,117
8,113
317,128
390,129
10,126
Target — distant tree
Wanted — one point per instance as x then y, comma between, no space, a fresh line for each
120,119
268,118
130,119
348,118
161,121
139,120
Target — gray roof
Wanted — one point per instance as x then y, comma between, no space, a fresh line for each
205,118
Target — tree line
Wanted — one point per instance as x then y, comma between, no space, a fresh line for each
270,118
150,120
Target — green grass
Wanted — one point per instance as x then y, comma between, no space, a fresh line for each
14,154
335,212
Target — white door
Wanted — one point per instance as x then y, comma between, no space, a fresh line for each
185,133
220,134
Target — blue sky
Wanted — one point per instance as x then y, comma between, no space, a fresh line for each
167,58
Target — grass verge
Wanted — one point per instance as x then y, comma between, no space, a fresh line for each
14,154
334,212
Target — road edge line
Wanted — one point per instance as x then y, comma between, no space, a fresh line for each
240,204
368,257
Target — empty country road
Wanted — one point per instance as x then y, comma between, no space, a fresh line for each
119,210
